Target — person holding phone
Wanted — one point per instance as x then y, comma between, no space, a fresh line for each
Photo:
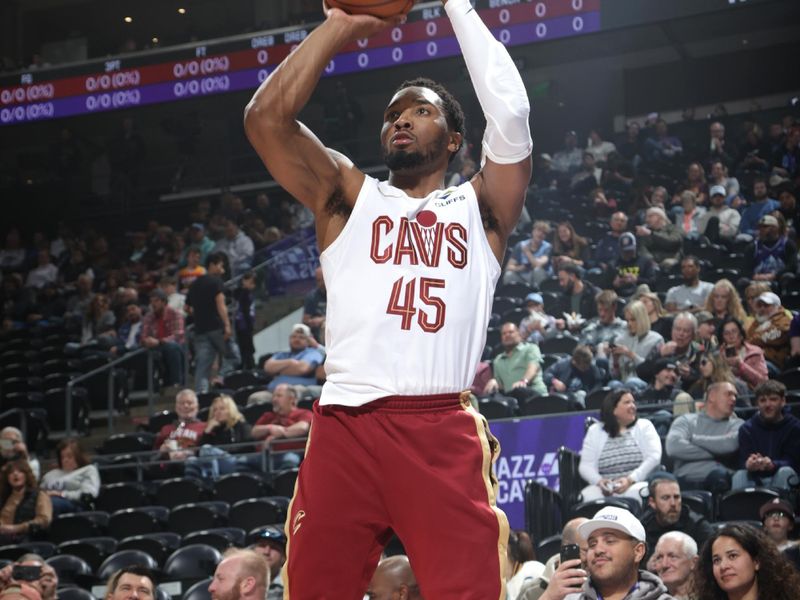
747,361
564,572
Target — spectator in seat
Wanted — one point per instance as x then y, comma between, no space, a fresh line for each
606,326
193,268
761,205
667,513
131,583
662,377
692,294
720,223
241,575
530,259
607,249
713,369
521,564
706,331
751,294
631,269
518,367
13,447
719,148
575,376
12,256
579,295
769,442
660,320
129,334
394,580
630,349
587,177
97,326
660,239
537,325
25,510
297,365
745,360
568,160
617,547
270,542
285,420
162,332
225,425
674,560
75,481
771,256
237,246
569,247
777,521
786,158
45,271
741,562
770,330
703,444
198,239
599,147
314,307
661,146
688,215
620,451
179,439
723,302
682,349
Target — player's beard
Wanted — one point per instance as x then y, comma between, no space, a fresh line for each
401,160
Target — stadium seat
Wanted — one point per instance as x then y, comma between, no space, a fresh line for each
115,496
94,550
180,490
125,558
74,593
239,379
589,509
548,547
743,505
198,591
241,395
545,405
562,343
257,512
239,486
14,551
498,407
218,537
790,378
159,419
74,526
501,304
71,569
187,518
158,545
284,481
204,399
137,521
700,501
125,443
514,290
192,563
594,399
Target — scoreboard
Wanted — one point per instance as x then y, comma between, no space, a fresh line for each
243,62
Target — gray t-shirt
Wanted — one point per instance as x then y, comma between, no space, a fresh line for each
689,297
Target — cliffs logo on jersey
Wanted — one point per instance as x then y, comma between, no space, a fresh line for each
424,240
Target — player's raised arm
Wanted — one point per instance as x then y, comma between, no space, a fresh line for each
293,154
504,177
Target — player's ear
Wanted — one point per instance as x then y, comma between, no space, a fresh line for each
455,141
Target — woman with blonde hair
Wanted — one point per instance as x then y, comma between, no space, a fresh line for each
631,348
723,301
660,320
225,425
569,247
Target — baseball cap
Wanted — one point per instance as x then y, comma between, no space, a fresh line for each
269,533
612,517
770,298
649,369
627,241
776,504
717,190
703,316
534,297
768,220
199,226
304,329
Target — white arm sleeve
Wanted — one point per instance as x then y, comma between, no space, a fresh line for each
497,84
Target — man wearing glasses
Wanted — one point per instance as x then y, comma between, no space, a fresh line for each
777,519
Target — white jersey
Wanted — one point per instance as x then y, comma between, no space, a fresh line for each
410,283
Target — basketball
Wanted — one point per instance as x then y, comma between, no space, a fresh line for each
376,8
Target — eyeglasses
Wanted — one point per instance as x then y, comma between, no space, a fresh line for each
777,514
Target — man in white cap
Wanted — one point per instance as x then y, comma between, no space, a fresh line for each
770,329
616,542
727,219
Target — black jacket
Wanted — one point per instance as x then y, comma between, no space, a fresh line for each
691,523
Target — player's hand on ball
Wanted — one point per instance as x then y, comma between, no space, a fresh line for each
363,25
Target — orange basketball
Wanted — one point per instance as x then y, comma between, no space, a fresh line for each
376,8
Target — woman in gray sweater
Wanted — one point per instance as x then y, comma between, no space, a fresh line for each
73,480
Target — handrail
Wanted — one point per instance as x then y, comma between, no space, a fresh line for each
109,367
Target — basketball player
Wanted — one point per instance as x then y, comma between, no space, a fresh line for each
410,270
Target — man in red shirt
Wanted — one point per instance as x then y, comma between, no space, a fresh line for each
285,421
162,331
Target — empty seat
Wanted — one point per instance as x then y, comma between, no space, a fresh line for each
94,550
239,486
239,379
700,501
74,526
187,518
179,490
559,344
210,537
124,443
158,545
283,482
116,496
74,593
589,509
159,419
548,547
137,521
743,505
71,569
545,405
497,407
14,551
125,558
198,591
256,512
192,563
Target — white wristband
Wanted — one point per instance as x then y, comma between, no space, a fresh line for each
497,84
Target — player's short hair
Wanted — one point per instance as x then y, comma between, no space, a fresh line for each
452,108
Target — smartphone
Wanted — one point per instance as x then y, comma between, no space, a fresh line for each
26,572
570,552
730,351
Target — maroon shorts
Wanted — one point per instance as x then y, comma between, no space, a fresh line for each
419,466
